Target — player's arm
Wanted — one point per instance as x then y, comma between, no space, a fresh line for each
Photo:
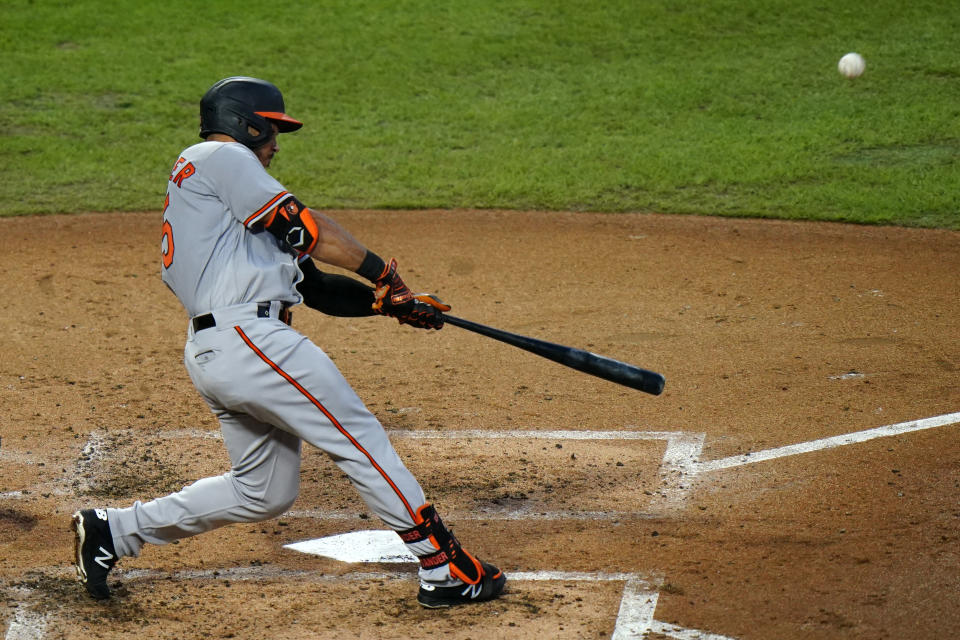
334,294
308,232
317,235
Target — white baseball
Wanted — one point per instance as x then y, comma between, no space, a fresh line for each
852,65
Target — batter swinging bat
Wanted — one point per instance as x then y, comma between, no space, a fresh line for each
596,365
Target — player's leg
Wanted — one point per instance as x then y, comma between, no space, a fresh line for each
311,398
262,483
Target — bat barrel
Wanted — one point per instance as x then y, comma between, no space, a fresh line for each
578,359
615,371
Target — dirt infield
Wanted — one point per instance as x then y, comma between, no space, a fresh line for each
798,478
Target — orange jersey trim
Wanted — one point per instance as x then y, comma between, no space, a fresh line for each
306,216
262,210
329,416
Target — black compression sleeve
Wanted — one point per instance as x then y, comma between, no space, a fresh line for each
334,294
372,266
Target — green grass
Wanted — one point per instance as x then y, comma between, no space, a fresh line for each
728,107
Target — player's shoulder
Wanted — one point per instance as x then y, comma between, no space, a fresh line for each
226,152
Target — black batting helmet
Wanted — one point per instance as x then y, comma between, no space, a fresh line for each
243,108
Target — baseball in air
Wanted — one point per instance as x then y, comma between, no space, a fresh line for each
852,65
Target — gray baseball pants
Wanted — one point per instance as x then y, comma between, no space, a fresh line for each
271,388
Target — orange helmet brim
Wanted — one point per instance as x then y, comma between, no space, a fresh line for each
284,122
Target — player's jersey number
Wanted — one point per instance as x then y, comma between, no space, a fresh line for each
166,244
180,173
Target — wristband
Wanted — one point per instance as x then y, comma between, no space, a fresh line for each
372,266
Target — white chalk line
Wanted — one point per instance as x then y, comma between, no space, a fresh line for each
681,453
489,514
681,461
682,448
637,607
638,601
635,616
522,434
26,624
476,434
826,443
93,450
261,572
679,633
19,458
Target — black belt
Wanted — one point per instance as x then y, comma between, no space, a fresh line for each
203,322
207,320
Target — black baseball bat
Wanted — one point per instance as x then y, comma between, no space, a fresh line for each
578,359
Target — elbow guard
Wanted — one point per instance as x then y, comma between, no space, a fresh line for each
294,225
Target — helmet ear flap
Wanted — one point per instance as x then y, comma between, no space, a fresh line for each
235,119
231,107
255,130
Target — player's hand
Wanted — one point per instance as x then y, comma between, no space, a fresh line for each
427,312
421,316
393,298
390,293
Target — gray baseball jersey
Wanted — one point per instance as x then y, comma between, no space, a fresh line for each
217,192
269,386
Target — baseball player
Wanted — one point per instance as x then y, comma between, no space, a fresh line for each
239,251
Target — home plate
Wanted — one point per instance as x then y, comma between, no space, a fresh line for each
358,546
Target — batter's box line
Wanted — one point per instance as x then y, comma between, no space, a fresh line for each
635,616
680,456
821,444
70,485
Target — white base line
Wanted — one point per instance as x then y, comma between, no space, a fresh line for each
270,572
521,434
637,606
679,459
27,625
681,454
679,633
486,515
827,443
635,619
478,434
